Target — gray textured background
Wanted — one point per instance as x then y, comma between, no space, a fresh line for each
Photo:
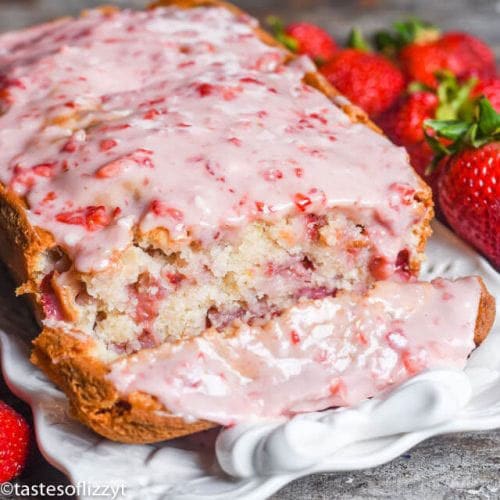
463,466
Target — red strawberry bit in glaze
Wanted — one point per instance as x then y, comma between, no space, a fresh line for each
272,174
92,218
299,172
110,170
396,339
361,338
405,194
142,157
44,169
414,362
107,144
50,196
208,89
162,209
152,102
262,207
294,337
70,146
23,180
269,62
336,387
302,201
320,118
151,114
248,79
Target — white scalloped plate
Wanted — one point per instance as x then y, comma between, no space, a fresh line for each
188,468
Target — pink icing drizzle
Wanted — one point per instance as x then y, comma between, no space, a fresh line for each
182,119
318,354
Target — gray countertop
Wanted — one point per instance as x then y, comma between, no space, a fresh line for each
462,466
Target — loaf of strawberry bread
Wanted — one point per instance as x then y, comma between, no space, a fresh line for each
174,173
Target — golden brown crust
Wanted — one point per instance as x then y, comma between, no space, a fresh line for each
21,242
137,418
67,359
485,314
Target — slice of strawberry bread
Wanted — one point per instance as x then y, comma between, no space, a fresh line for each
334,351
316,355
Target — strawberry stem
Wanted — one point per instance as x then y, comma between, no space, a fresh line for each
412,30
481,127
357,41
454,97
278,31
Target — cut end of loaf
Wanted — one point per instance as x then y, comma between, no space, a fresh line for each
157,291
127,400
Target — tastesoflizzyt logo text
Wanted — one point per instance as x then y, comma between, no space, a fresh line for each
81,489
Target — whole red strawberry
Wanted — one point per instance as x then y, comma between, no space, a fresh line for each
422,50
489,88
368,79
305,38
469,191
312,41
462,54
14,438
404,122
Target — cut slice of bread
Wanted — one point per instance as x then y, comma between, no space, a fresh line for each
135,416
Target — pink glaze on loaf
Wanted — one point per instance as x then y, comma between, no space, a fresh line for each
183,119
316,355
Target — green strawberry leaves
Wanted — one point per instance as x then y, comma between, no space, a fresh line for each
489,119
278,30
454,97
356,41
412,30
451,129
481,127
